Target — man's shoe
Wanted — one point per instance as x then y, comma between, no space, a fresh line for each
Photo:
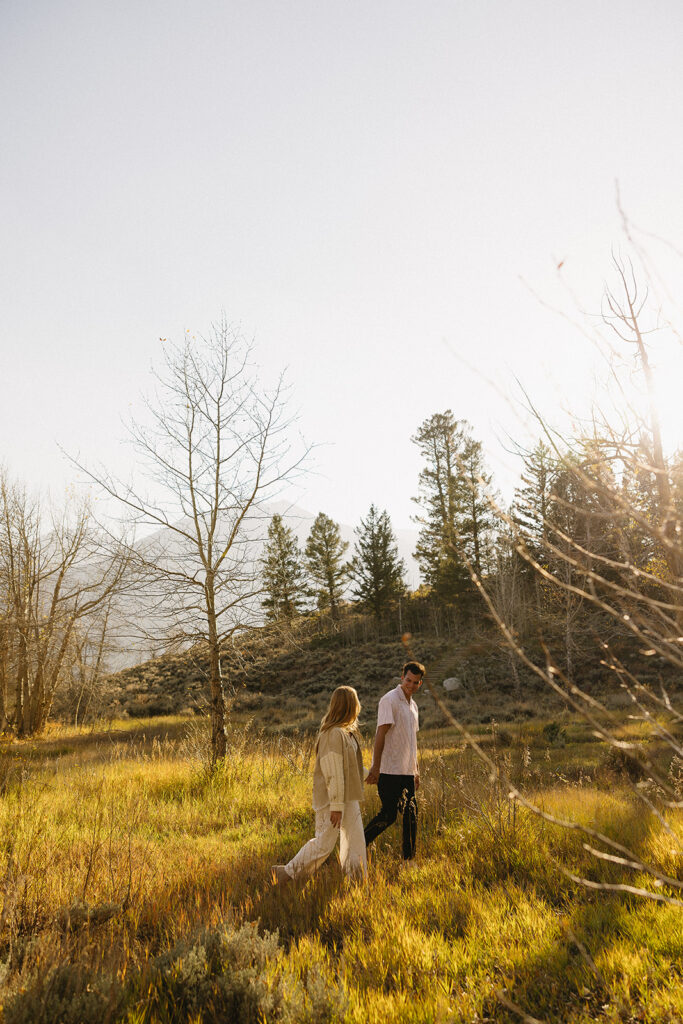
409,865
280,875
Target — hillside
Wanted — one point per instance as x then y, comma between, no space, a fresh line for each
284,680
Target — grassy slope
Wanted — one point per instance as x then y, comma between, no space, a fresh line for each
284,679
286,683
94,817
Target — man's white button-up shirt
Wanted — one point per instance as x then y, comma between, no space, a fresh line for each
399,756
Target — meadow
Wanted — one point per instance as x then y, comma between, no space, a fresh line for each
135,885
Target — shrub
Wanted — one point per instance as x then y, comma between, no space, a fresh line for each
617,762
69,994
232,975
219,970
503,738
151,709
554,733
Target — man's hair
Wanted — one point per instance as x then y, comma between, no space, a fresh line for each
415,667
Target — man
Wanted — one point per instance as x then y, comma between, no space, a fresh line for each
394,767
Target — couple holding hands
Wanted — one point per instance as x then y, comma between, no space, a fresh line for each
338,779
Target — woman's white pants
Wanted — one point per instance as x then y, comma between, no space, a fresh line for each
351,843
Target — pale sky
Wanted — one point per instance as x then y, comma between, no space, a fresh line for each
363,186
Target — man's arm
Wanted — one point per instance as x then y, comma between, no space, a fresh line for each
380,736
417,771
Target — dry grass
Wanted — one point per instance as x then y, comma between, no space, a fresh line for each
120,845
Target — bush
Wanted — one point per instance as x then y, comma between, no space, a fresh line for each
554,733
617,762
232,975
220,971
235,976
503,738
151,708
69,994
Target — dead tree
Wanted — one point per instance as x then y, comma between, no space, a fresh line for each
56,574
215,447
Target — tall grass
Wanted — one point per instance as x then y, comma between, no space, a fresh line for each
131,876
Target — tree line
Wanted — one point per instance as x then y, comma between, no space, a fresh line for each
594,524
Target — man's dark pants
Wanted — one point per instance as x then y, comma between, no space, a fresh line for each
397,793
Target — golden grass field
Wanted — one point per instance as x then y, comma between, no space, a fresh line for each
132,878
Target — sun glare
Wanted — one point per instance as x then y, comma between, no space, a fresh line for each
668,372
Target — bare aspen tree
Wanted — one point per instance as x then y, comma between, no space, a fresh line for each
56,574
84,689
5,646
216,447
624,308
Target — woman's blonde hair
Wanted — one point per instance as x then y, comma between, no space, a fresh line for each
343,711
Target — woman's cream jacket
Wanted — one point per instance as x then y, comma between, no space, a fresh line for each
338,773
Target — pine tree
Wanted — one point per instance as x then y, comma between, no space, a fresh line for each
532,499
284,579
324,558
530,513
456,515
477,521
640,495
376,569
569,527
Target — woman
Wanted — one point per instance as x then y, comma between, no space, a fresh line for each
337,792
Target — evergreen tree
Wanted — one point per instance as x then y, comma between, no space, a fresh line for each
571,530
530,513
532,499
376,569
477,520
284,578
455,513
639,491
324,558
